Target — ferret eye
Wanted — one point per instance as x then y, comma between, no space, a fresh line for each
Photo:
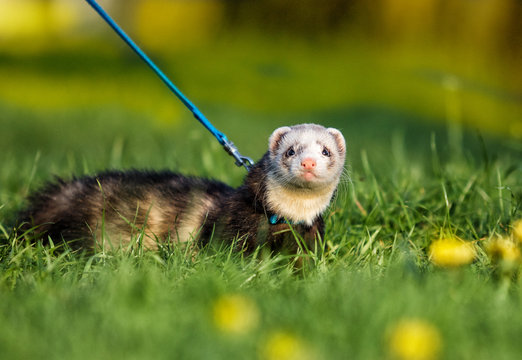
326,152
290,152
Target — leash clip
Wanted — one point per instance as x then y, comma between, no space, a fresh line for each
232,150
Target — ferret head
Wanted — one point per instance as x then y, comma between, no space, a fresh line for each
307,156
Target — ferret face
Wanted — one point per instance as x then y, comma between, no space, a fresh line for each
307,156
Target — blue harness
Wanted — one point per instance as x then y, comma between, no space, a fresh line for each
276,219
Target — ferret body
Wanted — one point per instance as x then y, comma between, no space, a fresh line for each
292,185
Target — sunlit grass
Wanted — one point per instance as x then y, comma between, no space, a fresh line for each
286,75
359,299
376,292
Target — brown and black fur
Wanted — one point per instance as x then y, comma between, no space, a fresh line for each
244,213
112,208
62,210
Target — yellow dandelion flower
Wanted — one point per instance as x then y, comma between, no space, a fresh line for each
451,252
235,314
285,346
504,249
517,230
415,339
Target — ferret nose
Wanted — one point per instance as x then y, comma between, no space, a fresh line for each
308,163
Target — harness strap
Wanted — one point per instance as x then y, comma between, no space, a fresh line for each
275,219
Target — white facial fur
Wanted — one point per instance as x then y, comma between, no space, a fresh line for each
306,165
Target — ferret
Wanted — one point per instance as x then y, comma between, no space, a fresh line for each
286,192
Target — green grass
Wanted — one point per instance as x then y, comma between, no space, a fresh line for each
159,305
410,183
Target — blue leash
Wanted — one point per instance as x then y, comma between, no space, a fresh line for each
229,146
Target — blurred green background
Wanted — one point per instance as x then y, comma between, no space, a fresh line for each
428,94
71,90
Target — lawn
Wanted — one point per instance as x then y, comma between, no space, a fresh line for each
376,293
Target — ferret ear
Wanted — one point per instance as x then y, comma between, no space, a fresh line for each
275,138
339,138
